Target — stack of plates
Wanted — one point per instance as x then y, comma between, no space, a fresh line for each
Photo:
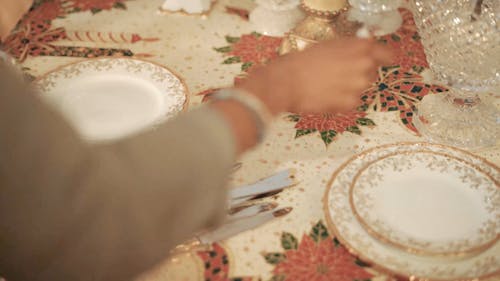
110,98
419,210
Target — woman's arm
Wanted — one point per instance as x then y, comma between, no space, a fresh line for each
70,211
10,13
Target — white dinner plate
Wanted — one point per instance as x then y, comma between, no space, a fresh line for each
111,98
343,221
427,202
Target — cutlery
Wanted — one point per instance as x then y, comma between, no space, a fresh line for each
262,188
236,167
229,229
244,211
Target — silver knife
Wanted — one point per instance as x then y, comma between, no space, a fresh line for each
269,185
244,211
229,229
232,228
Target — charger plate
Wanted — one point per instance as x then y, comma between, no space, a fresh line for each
343,220
426,202
111,98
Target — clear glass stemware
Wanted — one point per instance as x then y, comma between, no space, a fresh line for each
462,44
379,17
275,17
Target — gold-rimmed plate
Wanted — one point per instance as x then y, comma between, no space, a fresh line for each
111,98
427,202
344,223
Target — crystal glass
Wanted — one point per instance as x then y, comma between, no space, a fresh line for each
462,43
376,6
275,17
379,17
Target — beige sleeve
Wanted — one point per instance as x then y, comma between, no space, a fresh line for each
69,211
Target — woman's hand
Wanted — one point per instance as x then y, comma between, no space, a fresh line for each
10,13
328,77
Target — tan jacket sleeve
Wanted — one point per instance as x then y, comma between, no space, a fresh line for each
70,211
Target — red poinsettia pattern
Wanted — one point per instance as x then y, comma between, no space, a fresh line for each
330,125
256,48
34,35
33,38
398,90
46,10
318,257
96,5
251,50
406,44
216,263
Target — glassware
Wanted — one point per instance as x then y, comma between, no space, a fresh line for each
379,17
275,17
462,43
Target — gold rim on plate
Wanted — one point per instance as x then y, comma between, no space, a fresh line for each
171,94
174,73
377,233
378,264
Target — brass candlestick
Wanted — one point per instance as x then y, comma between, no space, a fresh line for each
326,19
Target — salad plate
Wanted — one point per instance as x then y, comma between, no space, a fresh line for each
110,98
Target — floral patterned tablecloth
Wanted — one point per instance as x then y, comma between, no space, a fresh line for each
217,50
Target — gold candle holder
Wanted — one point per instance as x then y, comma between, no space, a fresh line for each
325,20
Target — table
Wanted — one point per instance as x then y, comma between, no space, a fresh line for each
217,50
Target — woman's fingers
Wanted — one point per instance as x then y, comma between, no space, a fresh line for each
326,77
382,55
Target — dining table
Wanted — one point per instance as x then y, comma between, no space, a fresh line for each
219,49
